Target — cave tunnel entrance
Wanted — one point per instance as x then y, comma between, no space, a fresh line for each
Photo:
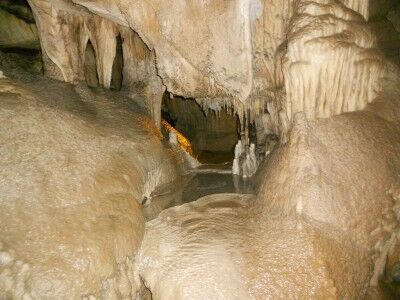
212,136
118,66
90,66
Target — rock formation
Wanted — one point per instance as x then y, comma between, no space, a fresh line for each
317,79
71,221
309,233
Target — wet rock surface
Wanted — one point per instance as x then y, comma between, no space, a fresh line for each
71,220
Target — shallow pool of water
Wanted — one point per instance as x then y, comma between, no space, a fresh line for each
200,183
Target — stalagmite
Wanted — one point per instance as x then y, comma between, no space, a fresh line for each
245,162
97,166
236,170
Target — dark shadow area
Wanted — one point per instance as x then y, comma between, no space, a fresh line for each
21,60
118,65
212,136
202,185
19,41
19,8
90,66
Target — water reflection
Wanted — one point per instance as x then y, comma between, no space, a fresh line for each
192,187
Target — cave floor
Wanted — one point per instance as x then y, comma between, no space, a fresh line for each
203,181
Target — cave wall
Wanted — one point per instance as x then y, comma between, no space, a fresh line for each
64,33
79,165
310,61
338,42
247,65
192,67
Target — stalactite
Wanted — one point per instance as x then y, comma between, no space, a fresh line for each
61,40
275,64
103,34
192,68
64,36
137,58
154,91
331,64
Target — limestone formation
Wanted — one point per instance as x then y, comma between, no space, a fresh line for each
324,207
94,159
331,62
71,221
309,234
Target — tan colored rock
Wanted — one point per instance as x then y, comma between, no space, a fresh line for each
324,222
65,31
309,233
77,169
331,64
197,68
191,67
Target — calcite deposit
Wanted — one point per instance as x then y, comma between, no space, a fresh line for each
308,91
72,186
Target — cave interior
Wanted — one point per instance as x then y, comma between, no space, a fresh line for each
243,149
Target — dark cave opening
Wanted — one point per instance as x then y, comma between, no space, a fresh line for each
212,135
90,66
118,66
20,8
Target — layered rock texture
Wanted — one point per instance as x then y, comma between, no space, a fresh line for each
325,221
71,221
331,64
254,37
79,162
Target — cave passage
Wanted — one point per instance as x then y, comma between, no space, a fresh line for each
212,136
